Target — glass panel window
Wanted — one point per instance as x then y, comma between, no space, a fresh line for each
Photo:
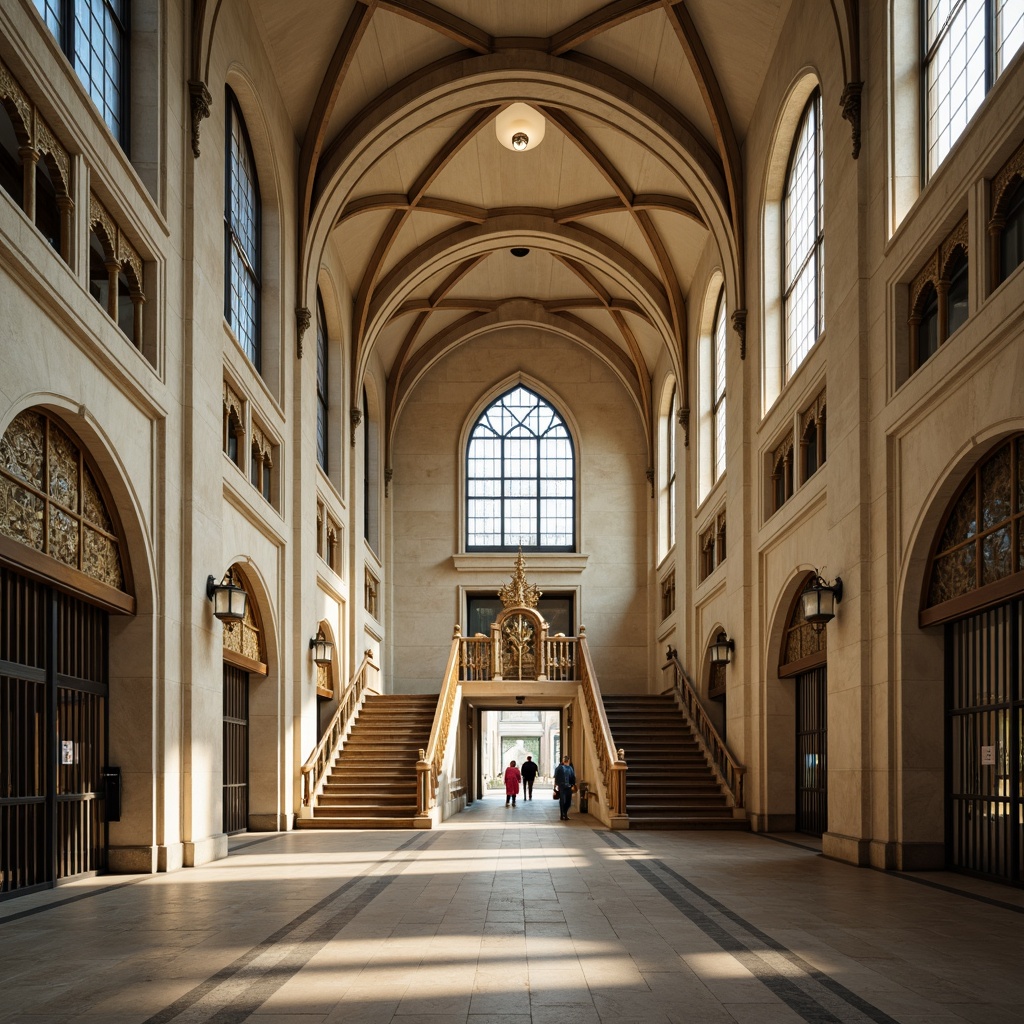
670,473
520,477
242,237
803,240
928,329
967,45
718,388
321,384
956,314
94,36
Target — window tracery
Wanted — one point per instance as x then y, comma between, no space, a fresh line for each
939,297
51,502
115,272
1006,224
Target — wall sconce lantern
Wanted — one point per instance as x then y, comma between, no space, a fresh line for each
322,648
519,127
819,600
721,650
229,599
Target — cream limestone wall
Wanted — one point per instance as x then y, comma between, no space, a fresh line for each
426,501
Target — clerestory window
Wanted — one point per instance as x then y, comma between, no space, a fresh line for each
321,383
718,389
803,240
94,37
967,46
241,236
520,477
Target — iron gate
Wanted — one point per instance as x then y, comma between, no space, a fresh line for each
812,752
53,735
985,708
236,749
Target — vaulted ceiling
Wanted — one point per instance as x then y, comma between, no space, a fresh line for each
401,175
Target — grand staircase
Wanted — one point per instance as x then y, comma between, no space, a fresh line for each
372,783
670,783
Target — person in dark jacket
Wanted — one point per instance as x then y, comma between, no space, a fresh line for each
529,773
565,782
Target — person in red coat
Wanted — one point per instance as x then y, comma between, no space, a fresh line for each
512,780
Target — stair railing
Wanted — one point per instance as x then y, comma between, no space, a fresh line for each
611,762
431,762
729,770
314,771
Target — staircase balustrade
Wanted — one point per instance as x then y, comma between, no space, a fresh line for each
611,762
728,768
314,771
431,762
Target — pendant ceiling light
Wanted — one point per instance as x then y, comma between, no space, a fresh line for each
519,127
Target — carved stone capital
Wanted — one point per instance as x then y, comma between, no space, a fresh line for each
388,475
356,416
303,318
684,422
650,478
850,101
200,99
739,325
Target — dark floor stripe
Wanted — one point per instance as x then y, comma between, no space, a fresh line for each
6,919
240,1008
801,1002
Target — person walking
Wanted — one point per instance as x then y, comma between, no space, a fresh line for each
529,773
565,783
512,780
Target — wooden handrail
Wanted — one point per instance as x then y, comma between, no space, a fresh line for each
431,759
315,769
611,762
729,770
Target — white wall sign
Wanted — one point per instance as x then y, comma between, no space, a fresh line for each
988,755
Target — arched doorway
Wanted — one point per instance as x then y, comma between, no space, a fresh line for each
244,656
62,572
974,588
803,659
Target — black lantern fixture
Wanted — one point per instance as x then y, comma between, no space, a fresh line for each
819,600
322,648
721,650
229,599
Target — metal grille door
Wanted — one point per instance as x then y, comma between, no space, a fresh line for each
53,735
985,705
236,749
812,752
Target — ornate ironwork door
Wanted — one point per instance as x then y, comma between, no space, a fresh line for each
236,749
812,752
53,735
985,719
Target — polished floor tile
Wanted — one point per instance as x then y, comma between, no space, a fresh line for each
494,919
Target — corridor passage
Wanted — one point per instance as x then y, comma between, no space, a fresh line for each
508,916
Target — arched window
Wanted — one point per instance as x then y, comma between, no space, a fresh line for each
1011,234
321,383
241,236
371,475
980,547
967,45
803,240
717,368
668,475
520,477
94,37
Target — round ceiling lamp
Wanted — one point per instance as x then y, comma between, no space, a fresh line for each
519,127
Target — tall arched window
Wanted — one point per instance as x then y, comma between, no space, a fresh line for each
967,46
717,368
803,240
321,383
94,37
520,477
668,475
241,236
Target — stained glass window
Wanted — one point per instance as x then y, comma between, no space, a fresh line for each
520,477
804,240
982,537
50,499
242,236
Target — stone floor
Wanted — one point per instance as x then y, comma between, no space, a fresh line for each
508,916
